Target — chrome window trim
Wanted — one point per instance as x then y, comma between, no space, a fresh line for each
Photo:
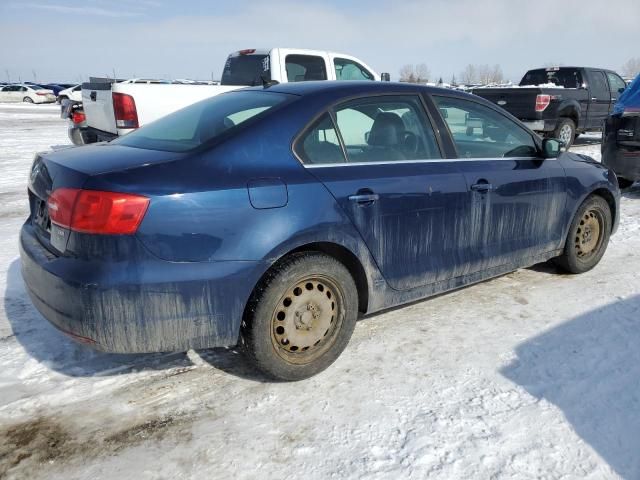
434,160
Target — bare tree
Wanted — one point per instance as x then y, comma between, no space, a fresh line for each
422,73
408,73
631,68
469,75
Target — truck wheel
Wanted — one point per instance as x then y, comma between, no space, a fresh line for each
565,132
588,236
301,317
27,100
624,183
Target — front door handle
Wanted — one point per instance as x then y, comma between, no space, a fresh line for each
364,198
482,187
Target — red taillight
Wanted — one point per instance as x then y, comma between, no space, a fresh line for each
94,211
542,102
44,94
124,108
78,117
247,51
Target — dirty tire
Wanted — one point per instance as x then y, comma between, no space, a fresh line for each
27,100
565,132
301,316
624,183
588,236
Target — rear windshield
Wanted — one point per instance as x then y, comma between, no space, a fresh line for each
250,70
560,77
201,122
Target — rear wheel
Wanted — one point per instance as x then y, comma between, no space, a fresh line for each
565,132
588,236
27,100
301,317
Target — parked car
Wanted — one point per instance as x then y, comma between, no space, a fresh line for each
73,93
73,112
118,108
273,216
621,143
26,93
560,102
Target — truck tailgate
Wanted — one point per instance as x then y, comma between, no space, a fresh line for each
98,106
519,102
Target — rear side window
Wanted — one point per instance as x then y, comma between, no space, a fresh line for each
320,144
202,122
481,132
350,70
386,129
303,68
247,70
598,85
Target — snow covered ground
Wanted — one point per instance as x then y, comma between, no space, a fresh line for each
532,375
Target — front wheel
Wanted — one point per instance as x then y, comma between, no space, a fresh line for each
301,317
588,236
27,100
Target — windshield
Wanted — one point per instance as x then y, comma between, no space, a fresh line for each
560,77
201,122
250,70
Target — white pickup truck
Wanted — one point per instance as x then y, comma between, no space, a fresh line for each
116,108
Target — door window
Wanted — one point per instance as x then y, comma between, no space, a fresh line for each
598,84
384,129
481,132
320,144
302,68
615,83
350,70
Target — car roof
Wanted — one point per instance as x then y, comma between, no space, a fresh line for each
350,87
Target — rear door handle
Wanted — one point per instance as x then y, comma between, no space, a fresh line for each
482,187
364,198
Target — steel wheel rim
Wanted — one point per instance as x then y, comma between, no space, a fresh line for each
307,318
565,134
588,238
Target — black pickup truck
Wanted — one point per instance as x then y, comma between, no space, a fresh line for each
560,102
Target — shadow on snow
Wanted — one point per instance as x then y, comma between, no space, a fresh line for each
589,367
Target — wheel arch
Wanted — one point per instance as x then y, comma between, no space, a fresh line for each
571,111
611,201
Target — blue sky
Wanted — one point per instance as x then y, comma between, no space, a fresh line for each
64,40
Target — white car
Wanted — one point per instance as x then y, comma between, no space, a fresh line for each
73,93
27,94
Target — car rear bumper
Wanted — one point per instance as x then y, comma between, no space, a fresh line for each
162,306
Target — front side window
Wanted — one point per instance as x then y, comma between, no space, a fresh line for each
615,83
201,122
350,70
303,68
320,144
386,129
481,132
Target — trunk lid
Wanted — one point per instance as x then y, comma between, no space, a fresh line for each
98,105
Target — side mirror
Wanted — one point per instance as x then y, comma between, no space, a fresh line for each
385,77
551,147
621,90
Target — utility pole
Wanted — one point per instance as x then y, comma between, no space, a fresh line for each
34,76
6,70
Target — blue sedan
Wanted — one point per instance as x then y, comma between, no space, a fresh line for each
273,217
